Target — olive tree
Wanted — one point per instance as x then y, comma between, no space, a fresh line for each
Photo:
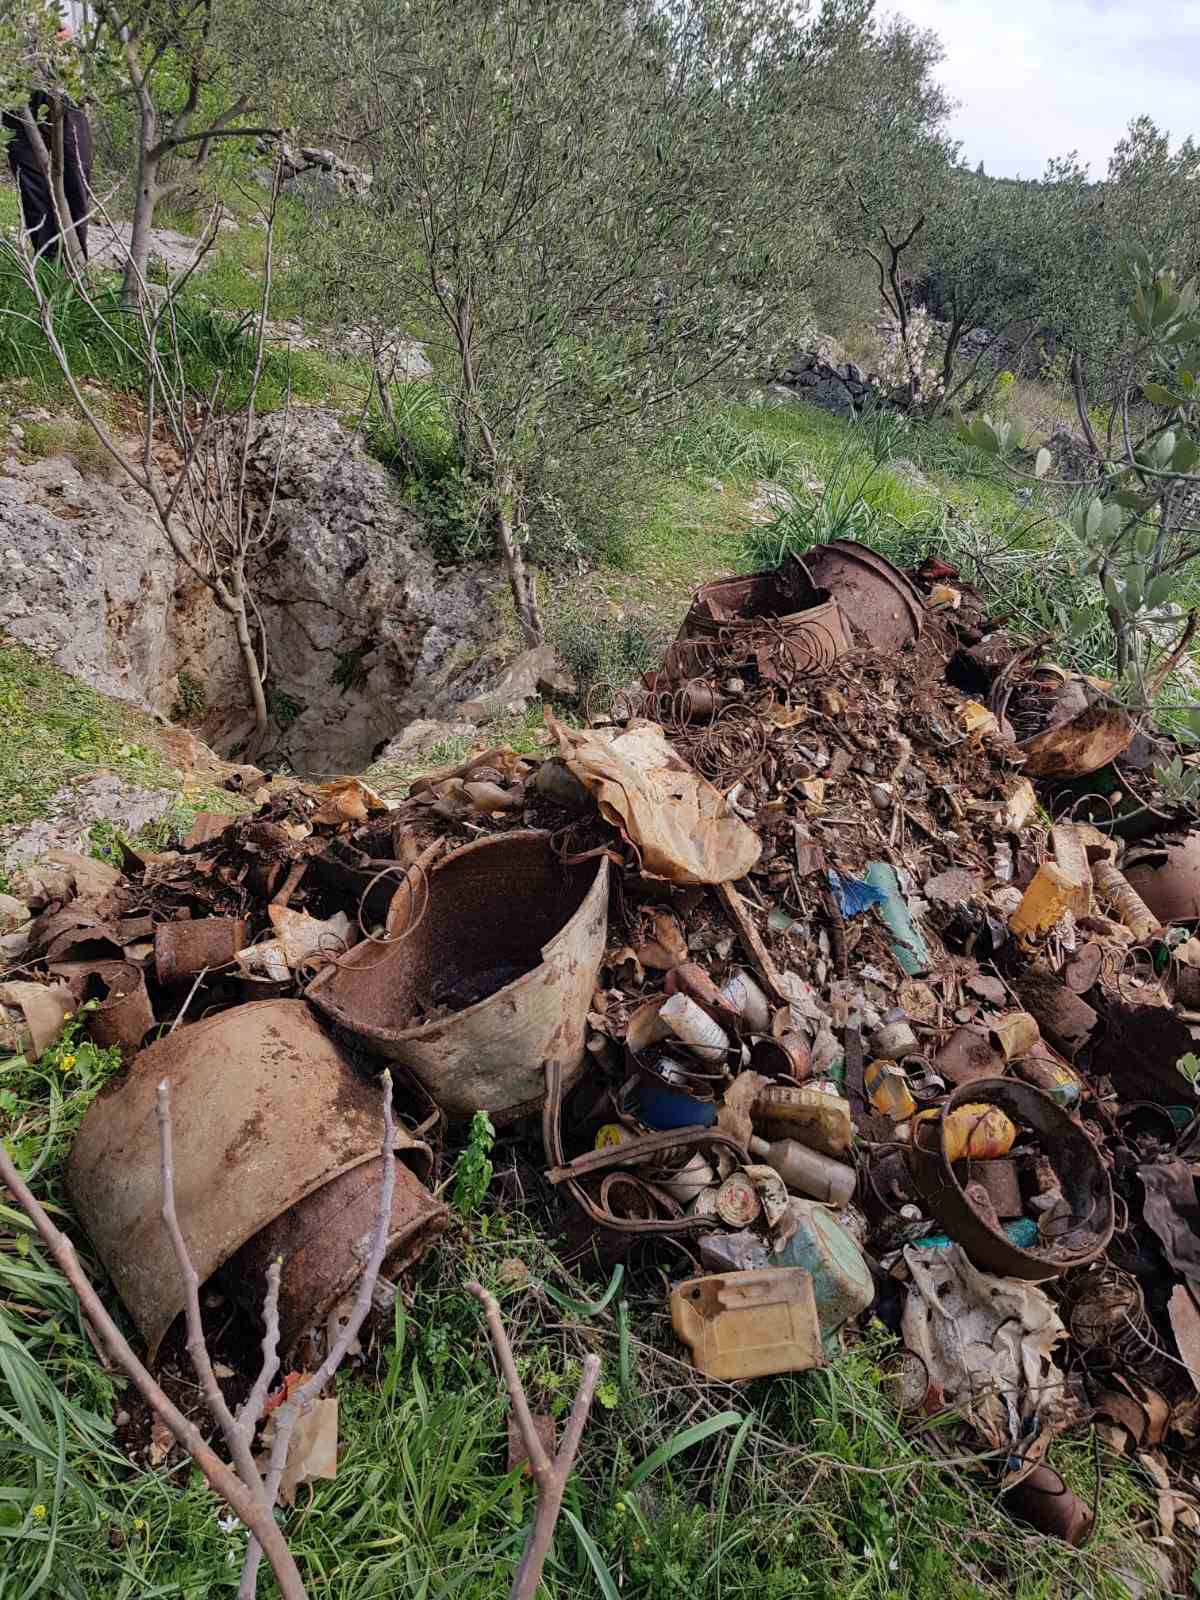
189,72
587,210
1137,513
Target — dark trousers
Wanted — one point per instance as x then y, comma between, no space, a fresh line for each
37,204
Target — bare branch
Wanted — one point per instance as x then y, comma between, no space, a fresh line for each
550,1474
250,1507
300,1403
197,1348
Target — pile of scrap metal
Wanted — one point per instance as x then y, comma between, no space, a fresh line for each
850,953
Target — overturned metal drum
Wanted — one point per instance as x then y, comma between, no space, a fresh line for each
324,1240
504,905
266,1109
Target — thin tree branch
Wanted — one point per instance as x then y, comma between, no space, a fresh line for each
241,1499
550,1474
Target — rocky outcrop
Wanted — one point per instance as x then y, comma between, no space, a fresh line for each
318,175
365,630
810,372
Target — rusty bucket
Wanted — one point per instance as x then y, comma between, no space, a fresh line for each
493,983
1073,1156
266,1110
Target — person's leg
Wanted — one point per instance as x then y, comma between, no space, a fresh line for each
77,173
37,209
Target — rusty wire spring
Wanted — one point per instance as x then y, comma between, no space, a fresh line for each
797,652
1070,808
697,656
729,749
1107,1311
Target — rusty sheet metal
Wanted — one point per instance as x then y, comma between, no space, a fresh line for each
321,1240
874,596
1172,1210
266,1109
1166,874
509,900
1074,1158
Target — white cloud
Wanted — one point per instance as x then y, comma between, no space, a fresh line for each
1039,78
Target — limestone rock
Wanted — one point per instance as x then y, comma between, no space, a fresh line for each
102,797
519,683
365,631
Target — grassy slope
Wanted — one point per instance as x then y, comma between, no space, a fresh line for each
812,1490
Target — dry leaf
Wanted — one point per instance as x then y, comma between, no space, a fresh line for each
312,1449
346,800
679,823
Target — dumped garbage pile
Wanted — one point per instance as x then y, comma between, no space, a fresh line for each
850,953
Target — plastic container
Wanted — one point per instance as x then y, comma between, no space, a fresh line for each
842,1282
749,1324
817,1119
695,1028
690,1180
1050,894
1023,1233
979,1132
895,1039
807,1172
662,1107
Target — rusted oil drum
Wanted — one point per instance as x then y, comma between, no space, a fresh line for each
266,1108
503,906
324,1240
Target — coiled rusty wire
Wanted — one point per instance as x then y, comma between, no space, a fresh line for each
728,749
1108,1321
788,655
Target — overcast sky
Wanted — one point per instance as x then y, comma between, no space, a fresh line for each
1039,78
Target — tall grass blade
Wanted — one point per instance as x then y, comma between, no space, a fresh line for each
696,1434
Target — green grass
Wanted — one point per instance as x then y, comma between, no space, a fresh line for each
56,728
213,343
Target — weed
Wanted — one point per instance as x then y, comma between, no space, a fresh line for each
600,648
473,1169
191,699
284,708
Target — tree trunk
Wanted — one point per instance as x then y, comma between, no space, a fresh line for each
524,589
145,197
68,243
241,622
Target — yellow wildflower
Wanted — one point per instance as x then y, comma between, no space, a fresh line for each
38,1513
67,1062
